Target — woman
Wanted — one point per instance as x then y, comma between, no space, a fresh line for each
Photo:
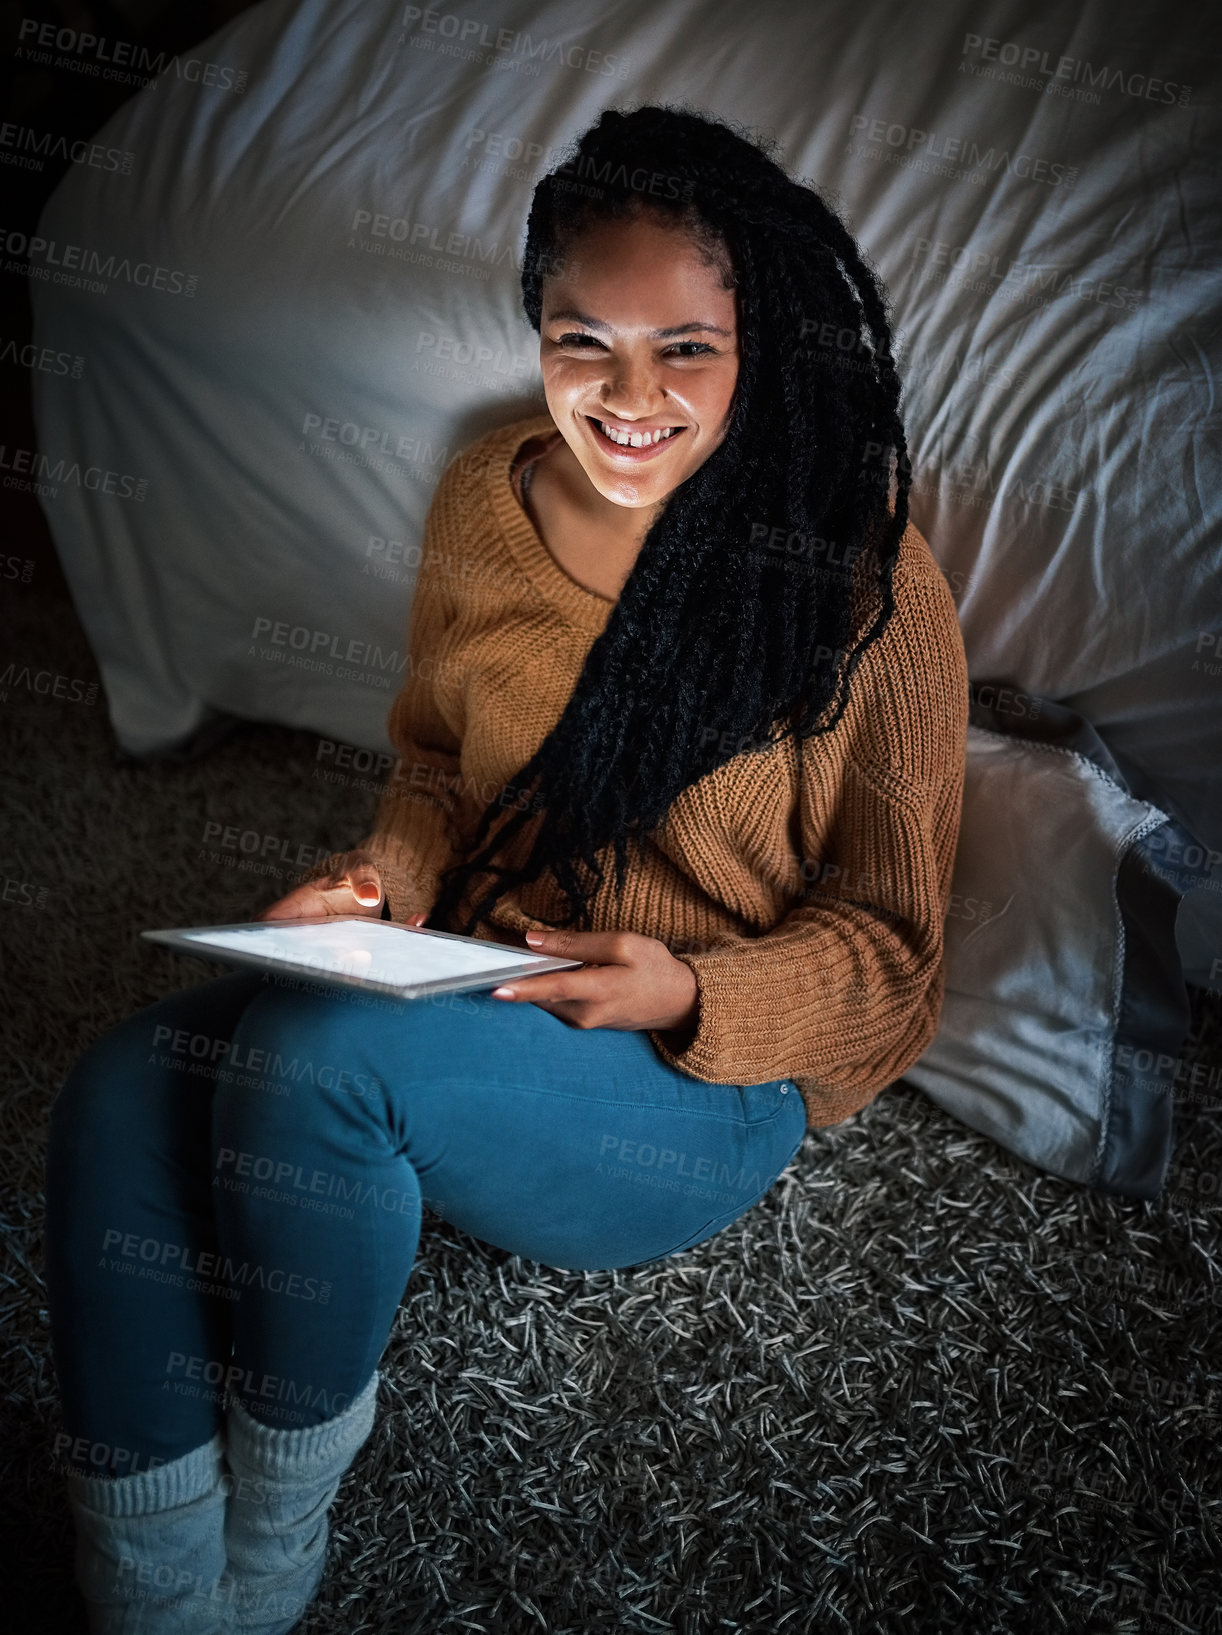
679,624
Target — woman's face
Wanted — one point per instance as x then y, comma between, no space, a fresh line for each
637,334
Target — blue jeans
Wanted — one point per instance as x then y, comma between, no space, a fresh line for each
235,1178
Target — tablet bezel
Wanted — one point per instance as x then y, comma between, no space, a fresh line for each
179,938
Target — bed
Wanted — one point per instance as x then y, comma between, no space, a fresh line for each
300,300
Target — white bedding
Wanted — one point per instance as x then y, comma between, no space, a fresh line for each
1052,260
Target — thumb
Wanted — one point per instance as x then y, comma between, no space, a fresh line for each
363,881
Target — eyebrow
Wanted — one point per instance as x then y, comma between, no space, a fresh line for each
572,315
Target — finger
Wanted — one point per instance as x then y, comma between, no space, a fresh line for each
340,899
570,1011
363,882
555,988
572,1015
594,947
293,907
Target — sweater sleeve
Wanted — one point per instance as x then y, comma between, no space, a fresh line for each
412,840
844,993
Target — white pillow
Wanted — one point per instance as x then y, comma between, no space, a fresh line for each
1065,1008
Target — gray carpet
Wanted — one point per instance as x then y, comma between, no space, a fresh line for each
919,1388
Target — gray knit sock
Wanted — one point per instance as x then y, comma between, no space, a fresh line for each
276,1527
150,1548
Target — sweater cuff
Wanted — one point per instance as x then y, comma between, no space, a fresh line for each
408,887
728,1032
409,880
696,1058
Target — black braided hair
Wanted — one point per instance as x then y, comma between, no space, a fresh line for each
769,571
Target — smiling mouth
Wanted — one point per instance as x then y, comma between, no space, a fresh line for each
638,444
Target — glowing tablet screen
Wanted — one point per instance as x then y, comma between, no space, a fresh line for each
372,949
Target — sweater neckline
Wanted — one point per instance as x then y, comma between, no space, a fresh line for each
582,607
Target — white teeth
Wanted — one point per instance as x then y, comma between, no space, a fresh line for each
636,439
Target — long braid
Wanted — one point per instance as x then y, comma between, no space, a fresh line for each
716,644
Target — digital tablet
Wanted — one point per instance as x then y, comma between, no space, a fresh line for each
352,951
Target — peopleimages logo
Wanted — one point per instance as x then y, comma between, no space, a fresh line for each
354,651
163,1262
465,35
48,683
33,147
45,475
88,53
43,358
957,155
230,1376
425,243
642,179
1054,75
969,267
76,265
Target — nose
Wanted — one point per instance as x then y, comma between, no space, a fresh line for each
632,390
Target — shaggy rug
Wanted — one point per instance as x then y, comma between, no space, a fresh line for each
919,1387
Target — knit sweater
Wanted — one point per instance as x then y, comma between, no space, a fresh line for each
809,910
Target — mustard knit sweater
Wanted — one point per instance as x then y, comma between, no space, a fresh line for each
813,926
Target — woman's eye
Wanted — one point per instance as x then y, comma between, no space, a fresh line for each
577,339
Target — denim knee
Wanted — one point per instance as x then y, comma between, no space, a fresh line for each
297,1065
103,1106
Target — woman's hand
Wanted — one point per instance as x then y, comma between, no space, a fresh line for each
629,981
353,887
